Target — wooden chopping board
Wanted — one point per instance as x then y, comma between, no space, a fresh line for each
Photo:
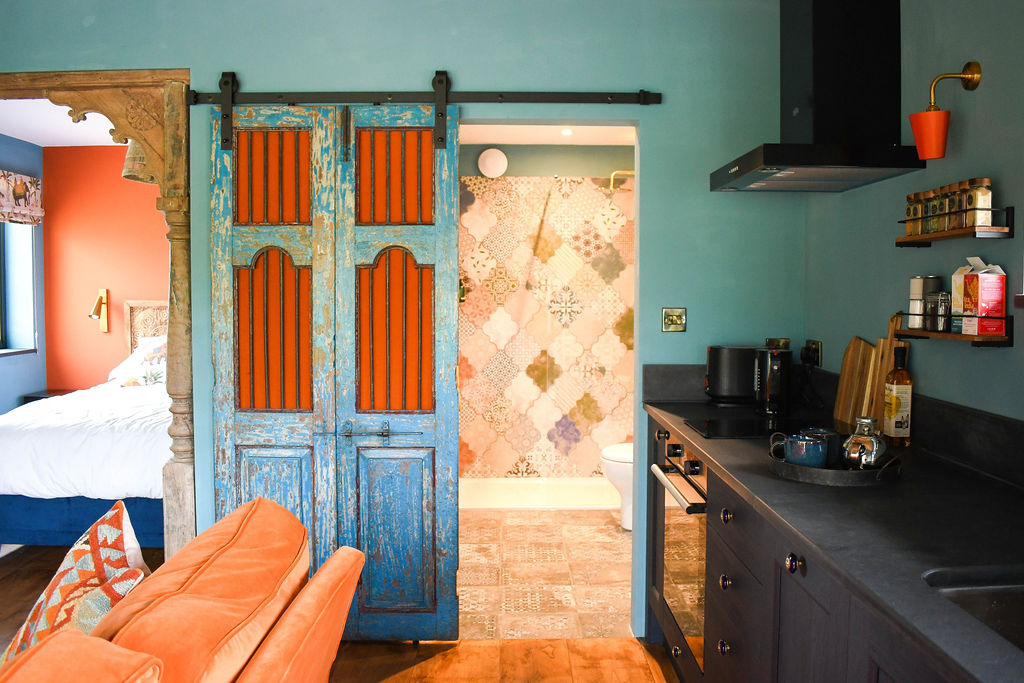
874,399
853,380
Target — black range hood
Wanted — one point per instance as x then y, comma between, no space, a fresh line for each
839,103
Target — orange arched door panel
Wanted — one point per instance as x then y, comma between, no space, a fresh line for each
272,333
395,333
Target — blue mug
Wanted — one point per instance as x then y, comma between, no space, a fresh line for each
799,449
834,459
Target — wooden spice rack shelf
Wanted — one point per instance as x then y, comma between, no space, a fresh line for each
975,339
983,232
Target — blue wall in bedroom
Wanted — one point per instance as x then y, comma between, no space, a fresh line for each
25,372
735,262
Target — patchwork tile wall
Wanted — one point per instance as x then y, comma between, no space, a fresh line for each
546,330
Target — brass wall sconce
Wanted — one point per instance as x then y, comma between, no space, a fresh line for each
931,125
99,311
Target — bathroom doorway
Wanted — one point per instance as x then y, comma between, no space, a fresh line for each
547,275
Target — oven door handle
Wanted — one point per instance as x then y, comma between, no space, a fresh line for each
688,498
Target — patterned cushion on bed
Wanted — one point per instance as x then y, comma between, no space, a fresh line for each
147,364
101,567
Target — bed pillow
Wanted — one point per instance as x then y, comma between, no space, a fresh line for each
101,567
147,364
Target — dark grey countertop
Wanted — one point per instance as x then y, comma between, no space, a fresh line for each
879,540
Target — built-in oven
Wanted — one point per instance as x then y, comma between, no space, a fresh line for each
678,541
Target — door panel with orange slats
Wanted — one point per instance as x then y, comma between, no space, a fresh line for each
335,328
397,291
273,315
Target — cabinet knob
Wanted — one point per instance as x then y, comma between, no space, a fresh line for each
727,516
661,435
724,581
676,651
675,450
724,648
793,563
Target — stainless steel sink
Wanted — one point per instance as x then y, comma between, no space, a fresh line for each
994,595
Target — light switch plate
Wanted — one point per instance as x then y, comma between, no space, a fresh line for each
673,320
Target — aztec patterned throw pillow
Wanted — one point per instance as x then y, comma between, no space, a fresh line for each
101,567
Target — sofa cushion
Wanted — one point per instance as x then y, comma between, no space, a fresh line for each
72,655
304,642
99,569
206,609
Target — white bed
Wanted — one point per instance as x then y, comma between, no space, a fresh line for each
107,442
65,459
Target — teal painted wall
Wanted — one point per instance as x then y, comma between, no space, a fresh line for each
26,372
548,160
736,262
855,276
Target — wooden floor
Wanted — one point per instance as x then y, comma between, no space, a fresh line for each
25,572
485,661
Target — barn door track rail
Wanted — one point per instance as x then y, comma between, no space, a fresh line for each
440,96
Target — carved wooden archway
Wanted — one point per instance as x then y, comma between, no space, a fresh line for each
150,108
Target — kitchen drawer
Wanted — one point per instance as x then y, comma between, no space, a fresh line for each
734,648
743,595
745,532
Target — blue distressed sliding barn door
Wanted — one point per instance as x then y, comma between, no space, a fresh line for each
397,313
335,344
272,259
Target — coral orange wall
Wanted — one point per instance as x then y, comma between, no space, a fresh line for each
99,231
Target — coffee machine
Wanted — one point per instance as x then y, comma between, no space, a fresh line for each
771,380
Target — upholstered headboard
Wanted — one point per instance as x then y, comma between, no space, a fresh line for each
144,319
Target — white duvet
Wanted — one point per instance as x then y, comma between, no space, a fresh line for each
105,442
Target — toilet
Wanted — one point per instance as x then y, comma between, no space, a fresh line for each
617,465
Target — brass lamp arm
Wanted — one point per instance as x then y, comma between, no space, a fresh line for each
970,77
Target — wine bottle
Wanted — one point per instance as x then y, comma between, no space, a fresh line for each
898,390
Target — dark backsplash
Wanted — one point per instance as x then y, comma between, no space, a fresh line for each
972,438
673,383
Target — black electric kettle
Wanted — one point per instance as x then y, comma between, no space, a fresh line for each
771,380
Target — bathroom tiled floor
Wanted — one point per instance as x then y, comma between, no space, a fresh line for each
543,574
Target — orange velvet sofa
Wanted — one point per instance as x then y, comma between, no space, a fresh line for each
233,604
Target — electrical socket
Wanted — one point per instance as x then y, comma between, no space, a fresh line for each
811,353
673,320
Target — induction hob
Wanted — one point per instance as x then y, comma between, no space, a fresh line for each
747,427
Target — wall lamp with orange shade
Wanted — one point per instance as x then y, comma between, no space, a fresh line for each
931,125
99,310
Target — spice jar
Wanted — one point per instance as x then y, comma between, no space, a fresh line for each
979,202
936,311
927,212
942,305
958,220
946,203
913,217
916,203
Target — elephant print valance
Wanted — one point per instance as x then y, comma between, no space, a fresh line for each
21,198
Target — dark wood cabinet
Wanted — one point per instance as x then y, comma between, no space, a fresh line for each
738,605
811,617
880,652
777,608
781,616
737,618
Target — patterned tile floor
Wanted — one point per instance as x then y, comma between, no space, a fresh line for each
543,574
